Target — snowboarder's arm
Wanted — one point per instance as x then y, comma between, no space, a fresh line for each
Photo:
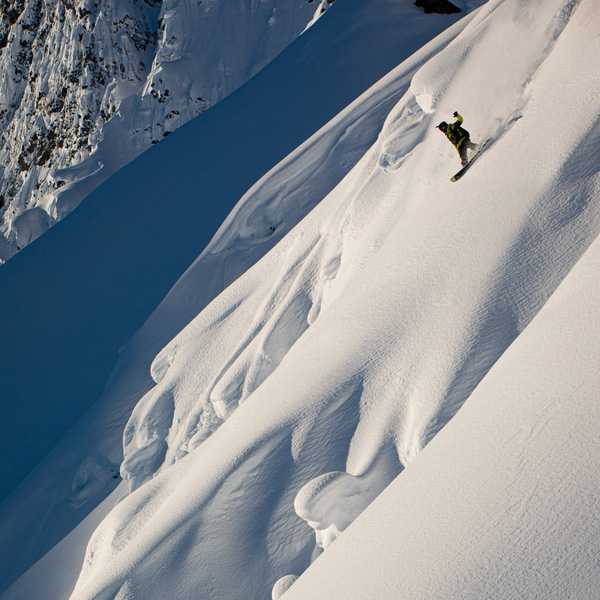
459,118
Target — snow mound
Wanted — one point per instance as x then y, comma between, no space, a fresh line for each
330,502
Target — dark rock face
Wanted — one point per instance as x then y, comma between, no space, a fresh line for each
442,7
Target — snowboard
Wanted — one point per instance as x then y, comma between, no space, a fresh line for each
475,156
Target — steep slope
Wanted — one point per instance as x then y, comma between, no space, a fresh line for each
316,377
54,575
86,86
138,232
503,504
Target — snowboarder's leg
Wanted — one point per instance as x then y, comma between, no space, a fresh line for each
462,152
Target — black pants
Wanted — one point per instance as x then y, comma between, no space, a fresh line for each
463,148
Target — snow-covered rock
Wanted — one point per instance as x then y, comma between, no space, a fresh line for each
86,85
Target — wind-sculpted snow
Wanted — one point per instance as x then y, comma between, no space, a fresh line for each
267,212
503,503
140,231
314,379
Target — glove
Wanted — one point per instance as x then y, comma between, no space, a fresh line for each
455,113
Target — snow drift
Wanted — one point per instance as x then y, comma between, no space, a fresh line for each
503,503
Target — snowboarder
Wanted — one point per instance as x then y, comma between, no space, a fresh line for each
459,137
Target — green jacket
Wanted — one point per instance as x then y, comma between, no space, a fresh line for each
455,133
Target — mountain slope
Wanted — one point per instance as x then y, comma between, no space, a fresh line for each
136,235
503,503
316,377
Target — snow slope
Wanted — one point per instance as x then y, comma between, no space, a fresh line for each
299,393
142,228
53,575
503,504
87,85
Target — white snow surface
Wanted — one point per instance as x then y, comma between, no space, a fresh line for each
297,395
321,371
503,503
140,230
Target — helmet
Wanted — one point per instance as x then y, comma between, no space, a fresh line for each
443,126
